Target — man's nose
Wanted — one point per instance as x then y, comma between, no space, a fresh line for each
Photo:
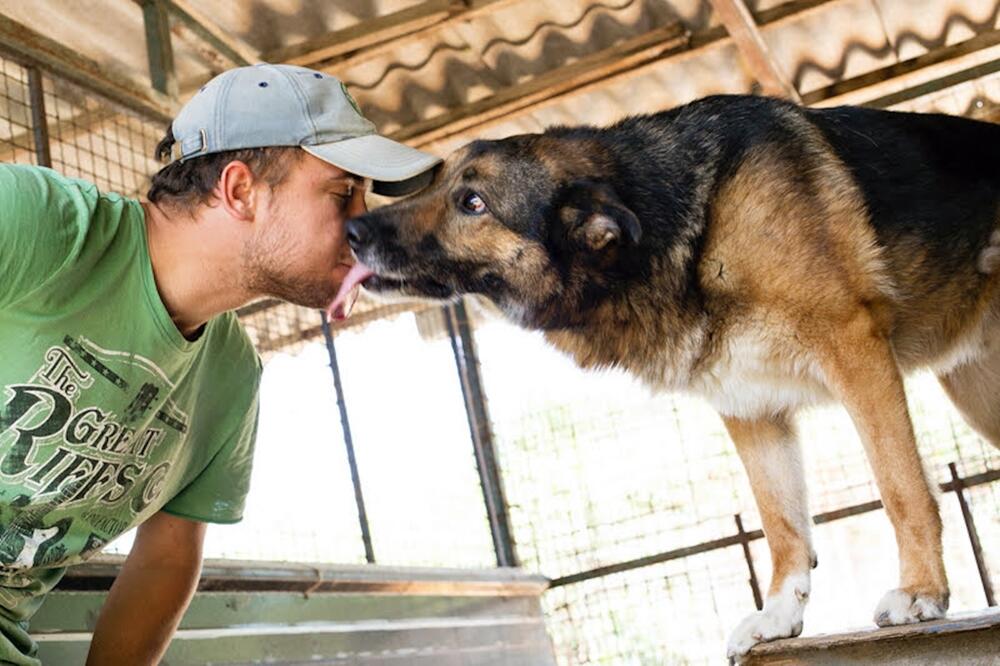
358,233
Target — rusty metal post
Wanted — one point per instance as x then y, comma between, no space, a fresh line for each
970,527
463,346
39,121
359,498
745,543
159,49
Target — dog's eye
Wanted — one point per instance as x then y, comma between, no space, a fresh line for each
473,204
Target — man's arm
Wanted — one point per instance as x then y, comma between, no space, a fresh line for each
151,593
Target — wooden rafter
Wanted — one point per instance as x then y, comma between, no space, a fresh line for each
909,73
367,33
232,48
935,85
630,58
206,53
741,26
647,47
22,43
350,46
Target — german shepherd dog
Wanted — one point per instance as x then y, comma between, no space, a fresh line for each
759,254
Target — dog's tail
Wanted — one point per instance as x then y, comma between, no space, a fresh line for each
989,258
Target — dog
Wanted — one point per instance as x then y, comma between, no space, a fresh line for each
759,254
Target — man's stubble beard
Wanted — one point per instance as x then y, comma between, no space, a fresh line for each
271,270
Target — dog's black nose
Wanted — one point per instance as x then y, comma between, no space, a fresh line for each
358,233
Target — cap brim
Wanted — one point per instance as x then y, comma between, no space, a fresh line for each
394,168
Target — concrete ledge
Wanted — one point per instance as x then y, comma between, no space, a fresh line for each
966,639
280,613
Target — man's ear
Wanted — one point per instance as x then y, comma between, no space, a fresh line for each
597,218
235,190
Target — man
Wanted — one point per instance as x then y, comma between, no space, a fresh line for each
128,390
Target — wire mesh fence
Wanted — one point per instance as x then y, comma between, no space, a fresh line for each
93,139
600,472
597,470
17,143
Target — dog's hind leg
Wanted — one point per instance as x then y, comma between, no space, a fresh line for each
860,369
773,461
974,388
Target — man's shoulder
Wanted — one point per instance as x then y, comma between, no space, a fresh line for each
232,346
43,180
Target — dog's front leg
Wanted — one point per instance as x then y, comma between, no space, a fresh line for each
770,453
861,371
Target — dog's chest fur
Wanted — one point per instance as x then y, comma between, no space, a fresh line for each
750,373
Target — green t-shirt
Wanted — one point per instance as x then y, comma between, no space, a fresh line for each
107,413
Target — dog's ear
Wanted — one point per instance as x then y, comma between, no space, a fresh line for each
594,216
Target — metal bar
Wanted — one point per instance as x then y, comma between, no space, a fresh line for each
745,542
463,345
31,48
970,527
39,121
331,350
977,479
159,49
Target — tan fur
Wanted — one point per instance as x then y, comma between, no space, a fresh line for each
802,300
771,457
797,303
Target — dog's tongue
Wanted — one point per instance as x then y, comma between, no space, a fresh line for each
340,308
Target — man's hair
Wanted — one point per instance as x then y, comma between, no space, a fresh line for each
189,183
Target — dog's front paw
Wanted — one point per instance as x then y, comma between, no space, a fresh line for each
902,607
762,626
781,618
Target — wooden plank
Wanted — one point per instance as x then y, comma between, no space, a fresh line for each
231,47
743,29
965,638
459,121
339,64
292,628
633,52
205,52
367,33
883,81
73,611
159,49
24,44
96,574
497,642
936,85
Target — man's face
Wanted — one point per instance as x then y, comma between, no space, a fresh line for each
298,251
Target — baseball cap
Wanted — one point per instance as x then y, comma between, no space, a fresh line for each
285,105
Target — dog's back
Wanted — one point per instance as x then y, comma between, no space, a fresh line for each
922,189
762,255
931,187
